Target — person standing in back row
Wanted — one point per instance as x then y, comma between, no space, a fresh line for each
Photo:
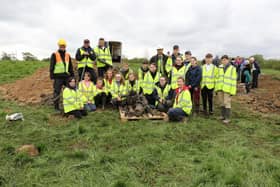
256,70
225,86
162,61
60,70
209,73
103,57
85,57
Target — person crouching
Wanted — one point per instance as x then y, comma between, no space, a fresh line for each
182,106
72,101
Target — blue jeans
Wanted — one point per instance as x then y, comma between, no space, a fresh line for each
90,107
176,114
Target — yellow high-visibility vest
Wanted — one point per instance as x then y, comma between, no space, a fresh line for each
59,65
87,93
183,101
86,61
71,100
226,81
209,77
148,84
103,55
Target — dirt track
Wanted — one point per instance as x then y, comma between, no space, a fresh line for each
37,89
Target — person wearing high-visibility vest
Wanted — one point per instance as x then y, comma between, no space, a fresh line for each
193,79
101,94
162,61
178,70
143,70
87,90
103,57
182,106
108,81
85,57
72,100
119,91
225,86
125,70
149,83
164,95
209,73
132,85
60,70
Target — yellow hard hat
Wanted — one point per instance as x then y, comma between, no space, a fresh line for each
61,42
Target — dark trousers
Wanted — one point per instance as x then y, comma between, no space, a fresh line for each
91,72
207,96
77,113
150,98
255,79
100,100
102,70
57,86
176,114
247,86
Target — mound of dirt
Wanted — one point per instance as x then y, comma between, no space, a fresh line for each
34,89
265,99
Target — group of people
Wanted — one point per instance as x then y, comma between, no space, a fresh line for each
171,83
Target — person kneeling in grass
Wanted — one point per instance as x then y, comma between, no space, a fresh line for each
72,101
101,93
87,90
182,106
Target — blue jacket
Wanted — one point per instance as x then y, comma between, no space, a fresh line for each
193,76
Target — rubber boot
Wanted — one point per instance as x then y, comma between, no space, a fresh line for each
227,116
103,101
223,110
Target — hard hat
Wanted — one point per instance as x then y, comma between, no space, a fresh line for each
61,42
159,47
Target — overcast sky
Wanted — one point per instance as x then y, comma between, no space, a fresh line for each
235,27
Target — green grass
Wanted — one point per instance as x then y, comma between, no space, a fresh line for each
99,150
11,71
275,73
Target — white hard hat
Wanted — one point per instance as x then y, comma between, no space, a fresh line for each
159,47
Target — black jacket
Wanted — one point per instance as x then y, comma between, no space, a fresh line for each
90,51
155,58
52,65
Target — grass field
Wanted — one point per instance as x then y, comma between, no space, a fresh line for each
99,150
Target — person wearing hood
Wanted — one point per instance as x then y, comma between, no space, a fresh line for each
60,70
193,79
72,102
118,91
182,106
178,70
143,70
164,95
125,70
148,84
85,57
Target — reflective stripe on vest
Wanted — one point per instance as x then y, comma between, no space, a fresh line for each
226,81
87,93
175,74
71,100
163,94
103,55
86,61
148,84
208,77
135,87
184,101
60,66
